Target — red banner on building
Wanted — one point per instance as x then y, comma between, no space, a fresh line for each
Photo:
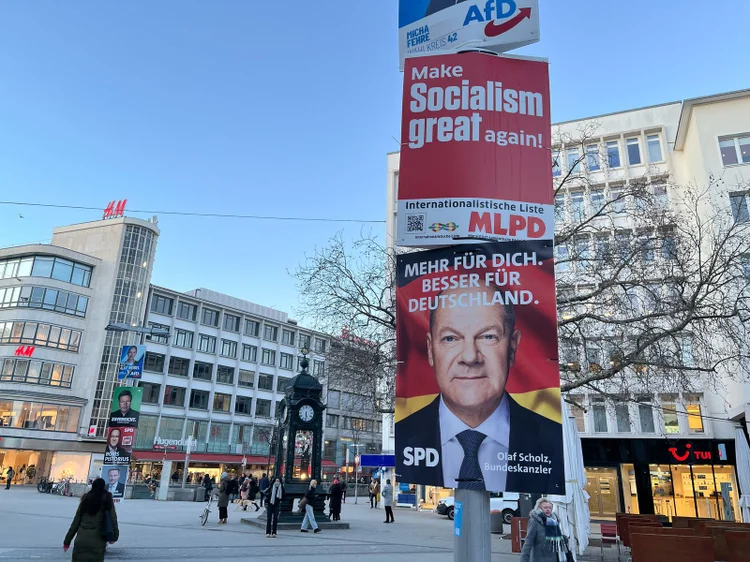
475,159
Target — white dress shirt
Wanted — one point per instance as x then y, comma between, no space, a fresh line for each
113,488
496,428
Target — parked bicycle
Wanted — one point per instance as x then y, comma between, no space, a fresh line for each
45,485
207,509
62,488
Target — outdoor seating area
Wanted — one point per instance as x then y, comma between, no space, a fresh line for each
647,538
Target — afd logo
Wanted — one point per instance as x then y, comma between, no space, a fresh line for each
493,12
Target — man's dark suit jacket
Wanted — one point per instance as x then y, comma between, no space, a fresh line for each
115,418
437,5
120,490
529,433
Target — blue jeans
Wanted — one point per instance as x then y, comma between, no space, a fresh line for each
309,518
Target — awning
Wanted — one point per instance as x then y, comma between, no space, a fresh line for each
217,458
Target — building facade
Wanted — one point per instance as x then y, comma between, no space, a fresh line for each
668,452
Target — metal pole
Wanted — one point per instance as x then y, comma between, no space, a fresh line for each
472,541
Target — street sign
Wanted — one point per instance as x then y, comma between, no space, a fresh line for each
379,460
356,459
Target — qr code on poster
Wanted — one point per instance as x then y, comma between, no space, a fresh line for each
414,223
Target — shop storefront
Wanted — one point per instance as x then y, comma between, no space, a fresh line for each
692,478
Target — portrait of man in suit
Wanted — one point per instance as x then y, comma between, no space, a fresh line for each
474,435
114,486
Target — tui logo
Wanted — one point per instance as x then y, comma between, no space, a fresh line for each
681,458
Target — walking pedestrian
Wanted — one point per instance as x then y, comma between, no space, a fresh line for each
254,488
264,484
207,484
223,502
273,495
375,491
309,500
334,504
544,540
94,518
175,478
234,488
388,501
344,486
9,477
371,493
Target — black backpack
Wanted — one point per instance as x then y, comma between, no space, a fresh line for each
108,528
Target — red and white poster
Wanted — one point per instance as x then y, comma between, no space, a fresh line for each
477,385
475,158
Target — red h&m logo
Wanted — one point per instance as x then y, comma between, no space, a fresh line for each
25,350
115,209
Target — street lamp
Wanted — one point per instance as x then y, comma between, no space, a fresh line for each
151,331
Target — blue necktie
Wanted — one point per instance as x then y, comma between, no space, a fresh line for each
470,474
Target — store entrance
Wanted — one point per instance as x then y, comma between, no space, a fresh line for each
603,488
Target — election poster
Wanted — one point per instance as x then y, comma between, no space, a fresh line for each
477,387
126,406
428,27
115,477
131,362
476,161
119,445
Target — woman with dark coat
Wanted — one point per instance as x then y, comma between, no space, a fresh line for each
223,502
87,524
334,504
273,496
544,540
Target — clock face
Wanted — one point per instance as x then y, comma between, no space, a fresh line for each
306,413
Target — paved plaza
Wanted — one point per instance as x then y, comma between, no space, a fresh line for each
33,525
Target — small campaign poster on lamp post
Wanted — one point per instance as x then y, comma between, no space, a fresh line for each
478,387
131,362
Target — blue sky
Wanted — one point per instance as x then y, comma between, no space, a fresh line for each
276,108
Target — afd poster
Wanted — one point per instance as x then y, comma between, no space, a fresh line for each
428,27
475,159
131,362
478,387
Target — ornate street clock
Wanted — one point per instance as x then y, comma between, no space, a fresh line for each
299,447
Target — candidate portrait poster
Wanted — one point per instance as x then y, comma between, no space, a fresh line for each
116,477
478,387
443,26
131,362
476,161
126,406
119,445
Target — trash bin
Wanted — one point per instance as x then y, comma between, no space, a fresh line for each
496,522
200,494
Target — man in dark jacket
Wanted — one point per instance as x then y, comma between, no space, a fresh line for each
264,484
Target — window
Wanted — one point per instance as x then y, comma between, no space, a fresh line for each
179,366
287,361
583,253
734,150
249,353
150,392
245,378
560,214
282,384
669,412
654,149
738,202
38,416
320,345
613,154
646,415
304,341
573,156
263,408
40,335
224,374
186,311
252,328
265,382
569,357
231,322
332,421
592,158
694,415
599,409
617,200
622,413
319,368
36,372
287,337
156,338
210,317
199,399
334,398
556,170
268,357
270,333
660,194
243,405
183,338
206,344
634,151
579,414
686,348
577,210
562,257
49,299
203,371
46,266
597,201
593,356
161,305
222,402
646,247
154,362
174,396
229,348
601,246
